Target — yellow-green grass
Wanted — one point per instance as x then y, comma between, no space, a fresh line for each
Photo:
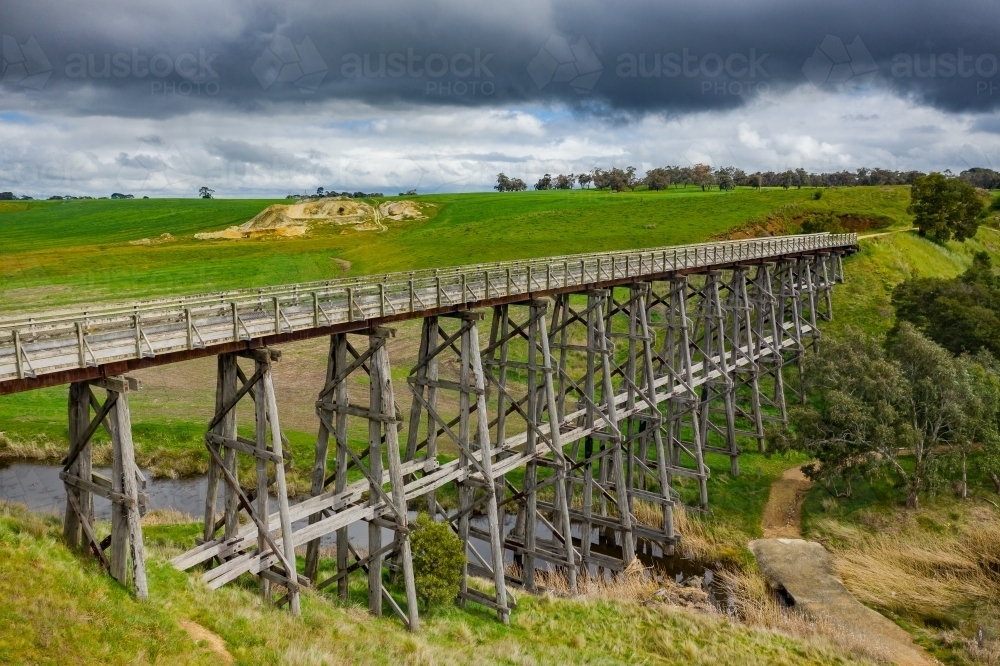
62,252
933,570
59,607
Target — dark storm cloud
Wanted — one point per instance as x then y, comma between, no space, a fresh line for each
122,58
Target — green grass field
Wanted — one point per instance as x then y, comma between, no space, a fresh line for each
62,252
57,253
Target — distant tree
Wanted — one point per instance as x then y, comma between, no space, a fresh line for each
724,178
205,192
518,185
988,179
801,177
585,179
503,183
617,179
320,191
945,208
701,175
675,174
657,179
687,176
631,181
564,182
544,183
788,179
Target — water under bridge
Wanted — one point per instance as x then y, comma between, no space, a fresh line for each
602,380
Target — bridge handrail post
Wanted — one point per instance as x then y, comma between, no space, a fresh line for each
80,346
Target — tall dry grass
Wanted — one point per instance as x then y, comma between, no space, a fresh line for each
633,584
38,449
928,575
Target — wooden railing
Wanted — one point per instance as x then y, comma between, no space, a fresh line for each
34,344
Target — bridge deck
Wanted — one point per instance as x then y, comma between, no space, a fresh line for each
51,348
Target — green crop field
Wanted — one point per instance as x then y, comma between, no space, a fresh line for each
61,252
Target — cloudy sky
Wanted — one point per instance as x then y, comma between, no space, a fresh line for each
264,99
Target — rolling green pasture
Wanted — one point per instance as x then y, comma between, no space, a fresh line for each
62,252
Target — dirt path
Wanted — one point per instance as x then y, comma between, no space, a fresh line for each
884,233
212,640
805,570
783,512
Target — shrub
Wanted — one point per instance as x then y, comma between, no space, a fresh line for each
821,223
438,556
817,195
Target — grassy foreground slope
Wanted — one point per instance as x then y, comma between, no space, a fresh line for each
62,252
59,606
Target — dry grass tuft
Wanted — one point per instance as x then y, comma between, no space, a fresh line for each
38,449
633,584
709,544
166,517
36,525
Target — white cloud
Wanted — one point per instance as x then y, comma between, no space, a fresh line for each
350,145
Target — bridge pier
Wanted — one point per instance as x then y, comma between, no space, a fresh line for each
768,334
543,446
477,484
743,361
717,392
673,365
598,472
270,562
647,475
125,559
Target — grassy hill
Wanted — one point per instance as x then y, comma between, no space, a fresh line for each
62,252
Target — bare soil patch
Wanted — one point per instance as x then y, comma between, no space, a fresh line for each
210,639
783,512
295,219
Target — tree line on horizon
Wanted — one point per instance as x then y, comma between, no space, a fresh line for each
729,178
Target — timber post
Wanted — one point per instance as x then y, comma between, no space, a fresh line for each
125,558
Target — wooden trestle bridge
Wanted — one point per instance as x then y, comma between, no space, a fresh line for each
605,376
